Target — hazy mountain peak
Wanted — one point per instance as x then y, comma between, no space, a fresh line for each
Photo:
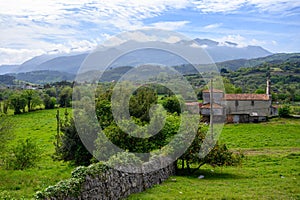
206,42
70,63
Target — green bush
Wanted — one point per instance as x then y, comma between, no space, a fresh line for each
172,104
72,186
24,155
70,147
124,159
284,111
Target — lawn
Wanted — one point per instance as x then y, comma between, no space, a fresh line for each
41,127
271,169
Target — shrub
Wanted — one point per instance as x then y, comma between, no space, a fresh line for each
49,102
73,185
219,155
24,155
172,104
70,146
284,111
124,158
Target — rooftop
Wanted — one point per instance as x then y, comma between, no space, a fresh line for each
262,97
214,91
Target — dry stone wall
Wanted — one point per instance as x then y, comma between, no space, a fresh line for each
105,184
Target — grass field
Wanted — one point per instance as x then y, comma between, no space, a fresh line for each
271,169
41,127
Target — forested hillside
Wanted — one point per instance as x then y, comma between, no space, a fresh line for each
284,77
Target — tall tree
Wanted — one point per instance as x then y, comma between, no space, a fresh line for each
65,97
141,102
18,102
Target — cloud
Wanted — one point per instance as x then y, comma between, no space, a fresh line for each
229,6
275,6
145,35
240,41
169,25
213,26
18,56
47,25
9,56
216,6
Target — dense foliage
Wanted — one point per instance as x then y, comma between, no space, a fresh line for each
152,126
23,155
69,146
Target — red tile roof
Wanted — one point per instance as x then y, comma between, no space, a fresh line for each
214,90
262,97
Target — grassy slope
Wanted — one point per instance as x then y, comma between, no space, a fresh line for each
41,126
271,169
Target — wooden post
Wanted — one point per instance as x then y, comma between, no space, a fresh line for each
211,108
57,128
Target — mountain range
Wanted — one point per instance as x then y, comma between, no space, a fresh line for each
70,63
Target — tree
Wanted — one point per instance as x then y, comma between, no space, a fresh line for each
5,95
130,143
104,113
33,99
49,102
28,94
70,146
260,91
141,102
51,92
218,156
18,102
172,104
65,97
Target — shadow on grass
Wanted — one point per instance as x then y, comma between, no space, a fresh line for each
208,174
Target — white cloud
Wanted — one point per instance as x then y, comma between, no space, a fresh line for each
229,6
240,41
173,39
277,6
213,26
17,56
145,35
49,25
170,25
30,27
208,6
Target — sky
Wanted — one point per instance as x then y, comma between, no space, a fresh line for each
33,27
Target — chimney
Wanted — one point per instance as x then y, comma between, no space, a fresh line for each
268,86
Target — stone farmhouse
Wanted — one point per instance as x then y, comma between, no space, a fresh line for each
238,108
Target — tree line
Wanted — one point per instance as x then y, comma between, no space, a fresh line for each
28,100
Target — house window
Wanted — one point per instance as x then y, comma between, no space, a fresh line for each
252,103
236,103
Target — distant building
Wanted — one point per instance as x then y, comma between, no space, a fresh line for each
238,108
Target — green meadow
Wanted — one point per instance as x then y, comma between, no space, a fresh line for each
270,170
22,184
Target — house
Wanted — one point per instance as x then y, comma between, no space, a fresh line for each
238,108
